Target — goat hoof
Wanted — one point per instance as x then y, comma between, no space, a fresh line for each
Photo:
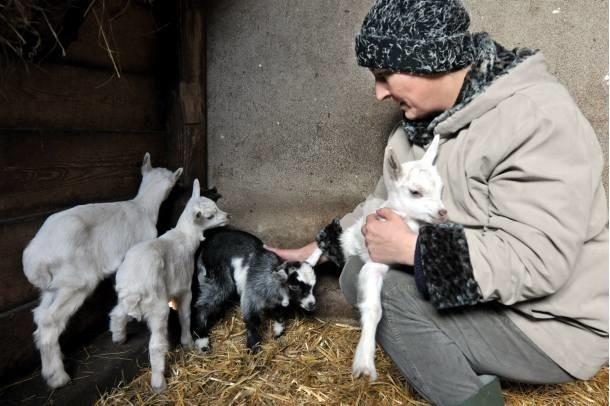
119,339
203,344
363,371
188,344
158,384
57,379
278,329
256,348
363,366
364,362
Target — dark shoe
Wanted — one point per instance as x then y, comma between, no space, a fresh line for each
489,395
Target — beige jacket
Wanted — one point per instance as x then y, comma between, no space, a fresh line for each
522,169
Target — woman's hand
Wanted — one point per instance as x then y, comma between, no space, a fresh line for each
296,254
388,238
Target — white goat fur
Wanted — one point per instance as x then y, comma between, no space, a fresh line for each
423,206
76,248
158,271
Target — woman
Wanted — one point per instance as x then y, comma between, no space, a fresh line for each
515,285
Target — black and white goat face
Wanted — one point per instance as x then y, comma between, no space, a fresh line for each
301,282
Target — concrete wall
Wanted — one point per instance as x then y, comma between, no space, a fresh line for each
295,134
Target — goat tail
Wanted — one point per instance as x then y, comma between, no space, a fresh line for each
36,271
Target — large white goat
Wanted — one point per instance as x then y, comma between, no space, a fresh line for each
414,192
158,271
76,248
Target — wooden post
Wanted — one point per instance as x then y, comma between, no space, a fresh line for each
187,145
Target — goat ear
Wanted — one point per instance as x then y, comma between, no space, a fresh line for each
392,170
281,272
146,166
201,271
212,194
196,191
286,267
431,152
177,174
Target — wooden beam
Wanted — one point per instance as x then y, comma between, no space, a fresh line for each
187,115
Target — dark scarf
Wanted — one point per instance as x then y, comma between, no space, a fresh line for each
491,61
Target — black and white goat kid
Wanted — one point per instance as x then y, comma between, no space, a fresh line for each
234,262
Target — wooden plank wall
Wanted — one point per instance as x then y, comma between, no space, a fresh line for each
73,132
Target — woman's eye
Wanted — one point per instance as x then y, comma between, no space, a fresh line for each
381,76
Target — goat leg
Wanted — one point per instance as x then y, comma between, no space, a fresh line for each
370,281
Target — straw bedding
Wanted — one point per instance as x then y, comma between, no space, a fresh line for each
29,28
309,364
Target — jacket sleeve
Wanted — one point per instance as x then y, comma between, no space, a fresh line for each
539,194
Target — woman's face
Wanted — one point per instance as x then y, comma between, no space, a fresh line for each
418,95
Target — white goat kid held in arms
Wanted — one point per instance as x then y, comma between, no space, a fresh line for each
158,271
414,193
76,248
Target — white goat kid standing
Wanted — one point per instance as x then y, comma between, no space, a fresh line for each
76,248
414,192
158,271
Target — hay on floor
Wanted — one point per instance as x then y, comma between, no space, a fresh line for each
309,364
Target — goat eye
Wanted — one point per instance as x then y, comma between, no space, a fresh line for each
415,193
210,217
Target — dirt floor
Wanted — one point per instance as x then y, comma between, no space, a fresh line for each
309,364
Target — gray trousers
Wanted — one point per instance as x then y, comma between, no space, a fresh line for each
442,354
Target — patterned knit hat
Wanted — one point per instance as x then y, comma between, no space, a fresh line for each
415,36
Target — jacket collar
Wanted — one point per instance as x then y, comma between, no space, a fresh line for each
525,74
492,63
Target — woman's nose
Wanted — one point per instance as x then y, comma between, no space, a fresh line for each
381,90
